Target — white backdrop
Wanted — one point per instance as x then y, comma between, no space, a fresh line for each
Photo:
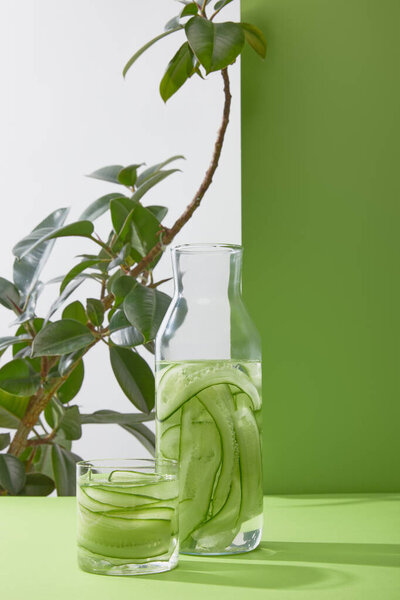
65,110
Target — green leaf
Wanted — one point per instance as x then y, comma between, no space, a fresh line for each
134,376
37,325
4,440
128,175
80,228
107,173
127,337
255,38
16,377
73,384
121,257
172,23
61,337
95,311
144,435
27,270
9,295
5,342
7,419
71,423
43,464
12,409
63,462
150,347
221,4
67,291
120,209
123,285
113,417
99,207
30,305
54,413
144,231
179,69
190,9
145,309
216,45
122,332
75,311
118,321
37,484
149,172
12,474
160,212
151,182
67,360
79,268
143,49
113,278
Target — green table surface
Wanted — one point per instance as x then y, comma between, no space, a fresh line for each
314,547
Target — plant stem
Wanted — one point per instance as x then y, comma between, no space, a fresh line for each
169,234
36,406
103,245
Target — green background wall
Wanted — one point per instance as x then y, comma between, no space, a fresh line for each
321,208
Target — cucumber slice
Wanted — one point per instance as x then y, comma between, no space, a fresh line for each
125,495
172,503
200,456
218,401
88,502
248,439
123,538
170,442
133,477
115,499
219,532
181,382
164,514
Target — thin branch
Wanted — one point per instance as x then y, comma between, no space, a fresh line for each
103,289
36,406
48,439
170,234
155,284
215,13
103,245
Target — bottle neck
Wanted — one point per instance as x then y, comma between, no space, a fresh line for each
208,275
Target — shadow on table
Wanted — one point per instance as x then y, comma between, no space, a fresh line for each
377,555
257,569
223,571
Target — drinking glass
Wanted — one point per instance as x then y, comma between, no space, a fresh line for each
127,516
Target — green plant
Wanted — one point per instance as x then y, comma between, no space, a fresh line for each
47,369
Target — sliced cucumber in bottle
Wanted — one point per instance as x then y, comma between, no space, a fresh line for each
208,417
219,403
219,531
200,457
248,439
181,382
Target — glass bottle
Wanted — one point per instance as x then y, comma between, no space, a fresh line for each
208,407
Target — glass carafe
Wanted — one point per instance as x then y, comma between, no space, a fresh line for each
208,409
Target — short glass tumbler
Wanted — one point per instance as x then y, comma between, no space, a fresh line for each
127,516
